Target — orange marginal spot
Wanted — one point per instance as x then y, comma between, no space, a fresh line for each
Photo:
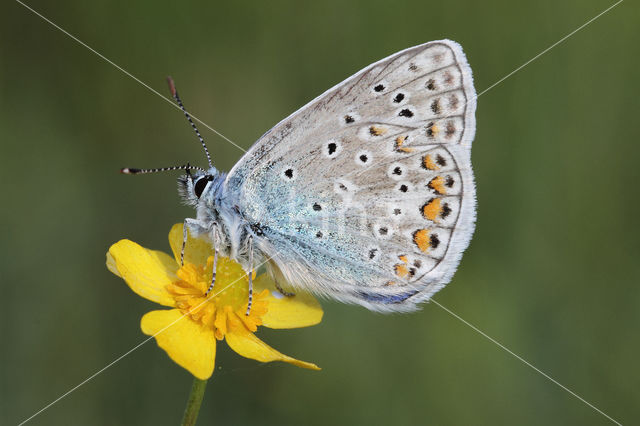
428,163
432,130
437,184
421,239
403,258
401,270
377,131
399,141
432,209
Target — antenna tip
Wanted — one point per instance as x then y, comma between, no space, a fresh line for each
172,86
128,171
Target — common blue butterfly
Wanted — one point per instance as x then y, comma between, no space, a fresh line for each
364,195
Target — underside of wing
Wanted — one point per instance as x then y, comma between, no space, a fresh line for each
366,194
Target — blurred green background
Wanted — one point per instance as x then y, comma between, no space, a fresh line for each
552,272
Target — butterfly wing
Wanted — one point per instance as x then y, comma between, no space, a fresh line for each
366,194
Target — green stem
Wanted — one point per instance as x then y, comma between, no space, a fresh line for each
193,404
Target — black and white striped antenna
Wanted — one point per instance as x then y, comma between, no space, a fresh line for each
132,171
187,167
174,93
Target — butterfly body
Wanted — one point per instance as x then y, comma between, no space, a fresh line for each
365,195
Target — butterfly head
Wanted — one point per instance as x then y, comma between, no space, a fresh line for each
199,185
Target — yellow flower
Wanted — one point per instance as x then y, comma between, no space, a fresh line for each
188,333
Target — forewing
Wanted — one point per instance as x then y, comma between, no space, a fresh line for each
366,194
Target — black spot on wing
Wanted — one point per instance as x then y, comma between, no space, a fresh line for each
434,241
406,113
435,106
446,210
372,253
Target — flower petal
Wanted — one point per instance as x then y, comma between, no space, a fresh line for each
249,346
301,310
190,344
196,251
111,265
147,272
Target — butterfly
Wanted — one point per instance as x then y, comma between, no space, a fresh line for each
364,195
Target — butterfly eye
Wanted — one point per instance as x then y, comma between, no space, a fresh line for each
201,184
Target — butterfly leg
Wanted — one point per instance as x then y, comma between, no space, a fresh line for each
213,275
184,241
284,292
250,276
215,259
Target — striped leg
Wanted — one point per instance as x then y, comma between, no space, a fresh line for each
284,292
250,276
184,241
213,276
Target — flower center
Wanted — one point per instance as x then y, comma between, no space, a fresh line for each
224,308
